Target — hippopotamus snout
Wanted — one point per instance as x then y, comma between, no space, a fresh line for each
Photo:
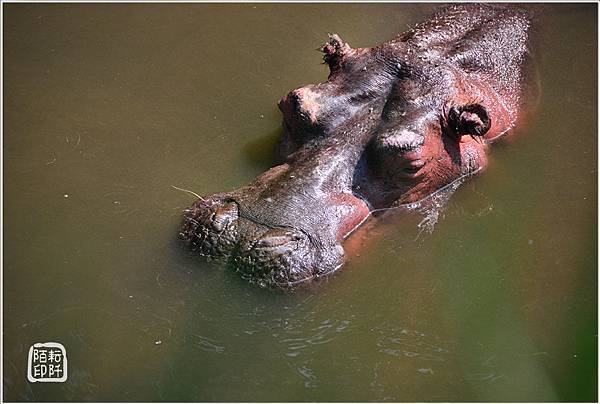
269,254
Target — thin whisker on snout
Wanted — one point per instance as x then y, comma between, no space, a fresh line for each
188,191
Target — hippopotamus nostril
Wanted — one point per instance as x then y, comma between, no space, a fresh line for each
277,241
224,216
211,227
276,257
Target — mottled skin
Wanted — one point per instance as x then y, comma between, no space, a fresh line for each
391,125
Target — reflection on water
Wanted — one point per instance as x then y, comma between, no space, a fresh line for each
411,344
108,106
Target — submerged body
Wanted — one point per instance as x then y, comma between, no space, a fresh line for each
390,126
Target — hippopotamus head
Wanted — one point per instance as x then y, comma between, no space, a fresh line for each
391,125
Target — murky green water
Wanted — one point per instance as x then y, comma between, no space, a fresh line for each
107,106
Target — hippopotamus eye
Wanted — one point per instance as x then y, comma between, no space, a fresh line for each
470,119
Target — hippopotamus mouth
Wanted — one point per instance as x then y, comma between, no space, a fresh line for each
268,254
391,125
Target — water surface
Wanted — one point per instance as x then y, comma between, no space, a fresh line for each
108,105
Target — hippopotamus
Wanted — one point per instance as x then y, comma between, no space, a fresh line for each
391,125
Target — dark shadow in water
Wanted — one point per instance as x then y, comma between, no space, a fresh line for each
262,151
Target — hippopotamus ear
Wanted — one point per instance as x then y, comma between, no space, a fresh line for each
470,119
334,50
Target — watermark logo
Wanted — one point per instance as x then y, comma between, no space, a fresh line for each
47,362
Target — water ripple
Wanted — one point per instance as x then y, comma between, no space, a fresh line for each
323,333
207,344
402,342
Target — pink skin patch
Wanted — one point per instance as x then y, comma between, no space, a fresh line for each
350,213
308,102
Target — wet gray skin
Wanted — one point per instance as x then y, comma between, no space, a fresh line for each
285,227
391,125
